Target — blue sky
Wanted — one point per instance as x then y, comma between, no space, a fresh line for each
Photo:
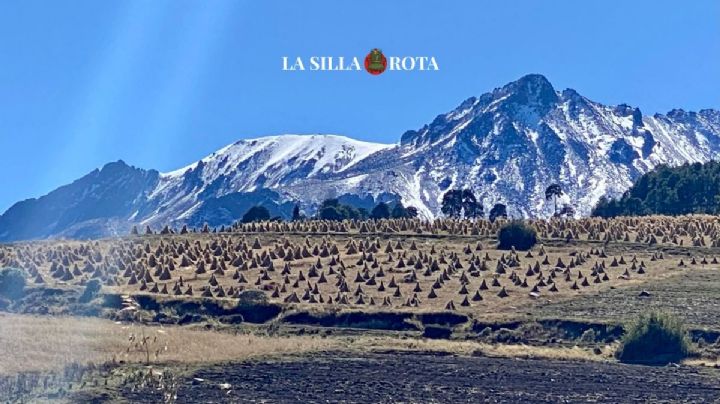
160,84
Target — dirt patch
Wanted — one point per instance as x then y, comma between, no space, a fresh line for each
354,319
223,310
395,377
449,319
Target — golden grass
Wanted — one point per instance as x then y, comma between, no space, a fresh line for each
41,343
493,350
34,343
703,362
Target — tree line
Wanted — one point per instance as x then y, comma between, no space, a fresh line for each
333,209
456,203
686,189
462,203
692,188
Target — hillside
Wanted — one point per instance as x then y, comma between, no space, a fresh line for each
690,188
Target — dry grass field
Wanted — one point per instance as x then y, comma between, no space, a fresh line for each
44,343
396,265
66,358
506,303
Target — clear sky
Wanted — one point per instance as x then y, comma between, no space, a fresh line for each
161,84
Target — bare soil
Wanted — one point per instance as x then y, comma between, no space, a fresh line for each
430,378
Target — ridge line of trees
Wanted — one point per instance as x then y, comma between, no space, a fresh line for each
692,188
462,203
456,203
332,209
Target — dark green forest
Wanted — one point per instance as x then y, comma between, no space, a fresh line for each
690,188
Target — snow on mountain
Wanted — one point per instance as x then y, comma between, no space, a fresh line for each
510,144
273,162
507,145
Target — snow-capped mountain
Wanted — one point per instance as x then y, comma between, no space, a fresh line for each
510,144
273,162
507,145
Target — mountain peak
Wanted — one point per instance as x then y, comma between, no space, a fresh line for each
115,167
112,164
534,78
532,89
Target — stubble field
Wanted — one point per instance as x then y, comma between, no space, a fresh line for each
391,280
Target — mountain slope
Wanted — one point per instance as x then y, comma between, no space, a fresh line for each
686,189
274,162
97,204
507,145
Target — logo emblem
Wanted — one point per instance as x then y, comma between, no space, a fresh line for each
375,62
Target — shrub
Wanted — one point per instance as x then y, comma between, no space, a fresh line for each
530,330
485,332
252,297
516,234
330,213
506,336
380,211
12,283
654,338
91,290
256,214
437,332
589,336
332,209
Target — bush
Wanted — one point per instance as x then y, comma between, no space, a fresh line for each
380,211
256,214
12,283
330,213
516,234
437,332
91,290
485,332
654,338
332,209
589,336
252,297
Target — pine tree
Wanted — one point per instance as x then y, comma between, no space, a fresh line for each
553,192
380,211
497,211
255,214
399,211
296,213
471,206
690,188
452,203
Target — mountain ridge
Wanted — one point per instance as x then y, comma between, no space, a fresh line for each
507,145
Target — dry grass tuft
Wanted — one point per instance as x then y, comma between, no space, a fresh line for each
492,350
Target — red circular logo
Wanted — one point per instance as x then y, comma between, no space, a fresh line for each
375,62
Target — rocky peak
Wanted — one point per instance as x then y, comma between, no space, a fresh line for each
532,90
